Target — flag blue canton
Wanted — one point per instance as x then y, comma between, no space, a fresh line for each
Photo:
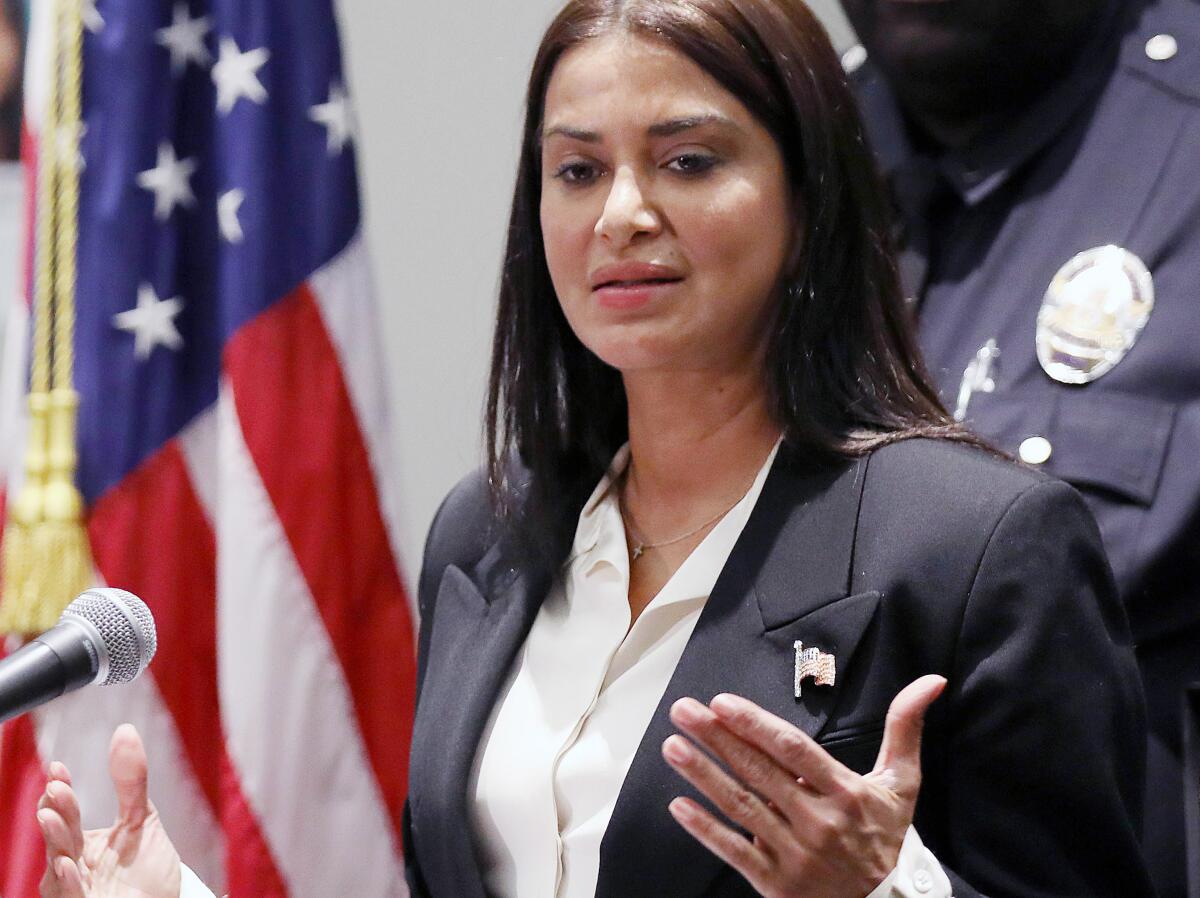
218,177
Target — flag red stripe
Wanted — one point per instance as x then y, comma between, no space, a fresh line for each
29,156
302,433
250,866
22,858
150,535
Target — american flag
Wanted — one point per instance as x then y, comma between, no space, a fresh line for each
233,454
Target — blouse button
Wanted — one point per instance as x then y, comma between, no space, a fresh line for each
922,880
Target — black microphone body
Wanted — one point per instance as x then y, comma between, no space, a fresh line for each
105,636
60,660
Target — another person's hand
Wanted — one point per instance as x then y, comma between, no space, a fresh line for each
819,829
133,858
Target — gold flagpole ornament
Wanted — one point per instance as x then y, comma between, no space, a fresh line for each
47,559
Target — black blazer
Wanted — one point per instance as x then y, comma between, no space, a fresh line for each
925,557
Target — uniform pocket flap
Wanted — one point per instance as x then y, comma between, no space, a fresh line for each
1112,441
1101,440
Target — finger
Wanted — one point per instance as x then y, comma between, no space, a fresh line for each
747,762
70,880
733,799
900,753
793,749
58,771
54,834
731,847
60,797
127,767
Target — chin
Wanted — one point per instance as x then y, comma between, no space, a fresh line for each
631,352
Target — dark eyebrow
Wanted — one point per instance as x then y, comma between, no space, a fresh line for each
661,129
573,133
674,126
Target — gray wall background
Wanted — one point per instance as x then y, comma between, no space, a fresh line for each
438,90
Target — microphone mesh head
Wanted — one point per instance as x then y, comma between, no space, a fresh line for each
126,628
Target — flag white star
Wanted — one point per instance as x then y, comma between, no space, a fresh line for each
227,214
92,20
236,75
168,180
184,38
337,115
152,323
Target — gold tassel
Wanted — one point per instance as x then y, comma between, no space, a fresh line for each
60,543
47,558
21,567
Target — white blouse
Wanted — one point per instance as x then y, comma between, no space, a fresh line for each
578,700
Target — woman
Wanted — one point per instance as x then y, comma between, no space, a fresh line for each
718,472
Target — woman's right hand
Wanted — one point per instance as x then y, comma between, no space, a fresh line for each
133,858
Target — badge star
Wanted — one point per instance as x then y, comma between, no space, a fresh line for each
184,38
92,20
337,116
227,214
169,183
236,75
152,322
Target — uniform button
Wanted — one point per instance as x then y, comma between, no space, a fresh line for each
1035,451
922,880
1162,47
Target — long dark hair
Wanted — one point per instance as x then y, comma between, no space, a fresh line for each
843,370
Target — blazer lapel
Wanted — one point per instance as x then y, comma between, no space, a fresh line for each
481,622
786,579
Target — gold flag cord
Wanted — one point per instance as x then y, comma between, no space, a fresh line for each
46,555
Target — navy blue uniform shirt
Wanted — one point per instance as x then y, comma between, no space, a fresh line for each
1109,156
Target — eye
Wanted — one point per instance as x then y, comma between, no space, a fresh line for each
692,163
577,173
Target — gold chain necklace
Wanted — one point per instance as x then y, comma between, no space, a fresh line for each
639,542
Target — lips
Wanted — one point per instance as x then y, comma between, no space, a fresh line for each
643,282
630,275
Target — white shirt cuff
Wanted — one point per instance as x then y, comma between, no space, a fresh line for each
190,885
917,875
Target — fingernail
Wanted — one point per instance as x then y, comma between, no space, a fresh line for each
689,711
681,810
676,749
726,703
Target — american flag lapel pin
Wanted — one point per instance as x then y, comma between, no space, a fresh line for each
812,662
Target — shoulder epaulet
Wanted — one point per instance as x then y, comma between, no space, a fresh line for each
1165,47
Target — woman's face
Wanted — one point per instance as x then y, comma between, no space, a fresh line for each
666,211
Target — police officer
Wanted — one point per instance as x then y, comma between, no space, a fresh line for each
1044,156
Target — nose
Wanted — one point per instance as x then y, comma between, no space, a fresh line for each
627,211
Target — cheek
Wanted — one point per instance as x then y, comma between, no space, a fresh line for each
741,239
566,235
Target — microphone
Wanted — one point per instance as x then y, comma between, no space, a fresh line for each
105,636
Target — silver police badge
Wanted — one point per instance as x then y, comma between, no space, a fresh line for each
1092,313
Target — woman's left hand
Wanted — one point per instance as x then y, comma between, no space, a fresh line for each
819,829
